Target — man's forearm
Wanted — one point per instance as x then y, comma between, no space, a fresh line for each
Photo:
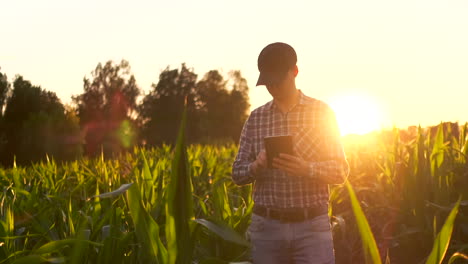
330,172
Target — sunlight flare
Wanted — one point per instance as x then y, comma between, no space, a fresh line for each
357,114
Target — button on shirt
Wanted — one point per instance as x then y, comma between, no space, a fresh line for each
316,139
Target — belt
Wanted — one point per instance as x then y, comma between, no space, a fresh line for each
290,214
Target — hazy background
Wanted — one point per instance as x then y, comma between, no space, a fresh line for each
410,56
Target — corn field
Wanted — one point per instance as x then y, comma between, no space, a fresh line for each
404,202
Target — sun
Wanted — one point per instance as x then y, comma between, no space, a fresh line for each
357,114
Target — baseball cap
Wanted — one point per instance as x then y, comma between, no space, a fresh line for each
274,62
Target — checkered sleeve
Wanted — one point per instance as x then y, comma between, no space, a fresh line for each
332,168
245,156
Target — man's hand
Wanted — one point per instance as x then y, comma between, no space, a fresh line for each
260,163
291,164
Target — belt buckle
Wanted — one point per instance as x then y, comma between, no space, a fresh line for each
290,217
301,215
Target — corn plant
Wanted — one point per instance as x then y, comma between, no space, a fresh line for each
177,204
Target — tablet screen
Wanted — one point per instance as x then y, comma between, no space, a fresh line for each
277,144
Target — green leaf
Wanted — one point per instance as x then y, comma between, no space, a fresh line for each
442,240
123,188
437,154
220,200
371,251
54,246
224,232
179,203
146,173
31,259
464,149
71,225
146,229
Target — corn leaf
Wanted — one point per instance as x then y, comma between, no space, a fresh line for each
371,251
54,246
123,188
179,204
31,259
224,232
146,229
442,240
437,155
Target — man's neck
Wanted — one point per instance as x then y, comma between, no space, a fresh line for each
286,103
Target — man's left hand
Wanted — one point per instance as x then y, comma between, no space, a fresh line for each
291,164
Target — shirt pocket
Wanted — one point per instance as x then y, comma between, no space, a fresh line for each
306,144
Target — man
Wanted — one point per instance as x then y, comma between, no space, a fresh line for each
290,223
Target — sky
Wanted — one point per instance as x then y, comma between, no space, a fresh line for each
403,61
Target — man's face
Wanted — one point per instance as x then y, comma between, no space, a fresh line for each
283,88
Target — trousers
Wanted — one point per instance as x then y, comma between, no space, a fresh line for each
305,242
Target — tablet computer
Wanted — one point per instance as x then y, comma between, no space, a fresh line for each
274,145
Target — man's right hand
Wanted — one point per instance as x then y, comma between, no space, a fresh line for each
259,164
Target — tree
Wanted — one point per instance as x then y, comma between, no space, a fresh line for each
162,108
4,90
239,104
107,108
35,125
224,106
215,98
216,108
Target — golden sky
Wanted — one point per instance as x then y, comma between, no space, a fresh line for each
409,57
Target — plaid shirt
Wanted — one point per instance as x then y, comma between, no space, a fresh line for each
316,139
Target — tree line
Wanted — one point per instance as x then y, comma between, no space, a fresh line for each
112,115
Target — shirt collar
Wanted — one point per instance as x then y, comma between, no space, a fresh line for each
302,101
